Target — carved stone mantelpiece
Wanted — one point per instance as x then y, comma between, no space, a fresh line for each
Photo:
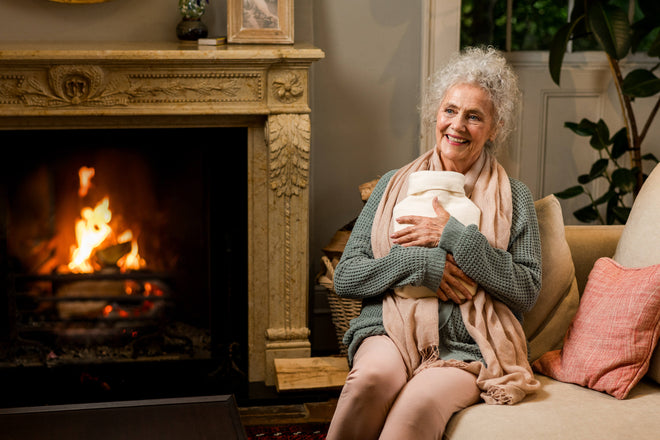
264,88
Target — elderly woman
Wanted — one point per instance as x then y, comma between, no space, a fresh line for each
416,361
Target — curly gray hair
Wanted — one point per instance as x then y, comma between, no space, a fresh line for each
487,68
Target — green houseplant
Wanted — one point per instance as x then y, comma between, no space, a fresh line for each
607,22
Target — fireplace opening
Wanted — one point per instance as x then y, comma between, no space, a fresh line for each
124,264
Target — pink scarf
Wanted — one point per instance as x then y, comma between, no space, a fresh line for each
413,324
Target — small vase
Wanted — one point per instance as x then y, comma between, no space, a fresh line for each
190,29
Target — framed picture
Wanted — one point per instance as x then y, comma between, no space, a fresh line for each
260,21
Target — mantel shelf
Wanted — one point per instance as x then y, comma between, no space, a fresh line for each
155,51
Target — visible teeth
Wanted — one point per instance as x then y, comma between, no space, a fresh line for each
453,139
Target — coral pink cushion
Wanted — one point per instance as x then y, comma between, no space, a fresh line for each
611,339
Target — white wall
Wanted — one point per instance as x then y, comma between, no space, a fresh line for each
365,96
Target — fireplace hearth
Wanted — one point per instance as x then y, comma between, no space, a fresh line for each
220,296
186,300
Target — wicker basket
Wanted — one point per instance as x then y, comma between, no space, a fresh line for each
342,309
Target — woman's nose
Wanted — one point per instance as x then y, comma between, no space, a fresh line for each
457,123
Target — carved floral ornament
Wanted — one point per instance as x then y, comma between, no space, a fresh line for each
288,138
89,85
288,87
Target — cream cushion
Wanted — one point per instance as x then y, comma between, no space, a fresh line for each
563,411
639,245
546,324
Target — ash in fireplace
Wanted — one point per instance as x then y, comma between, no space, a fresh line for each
172,342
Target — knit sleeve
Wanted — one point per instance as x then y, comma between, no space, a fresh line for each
360,275
512,276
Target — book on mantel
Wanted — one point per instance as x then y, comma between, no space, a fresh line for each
214,41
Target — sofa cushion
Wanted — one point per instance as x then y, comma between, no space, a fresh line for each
547,322
639,245
560,411
609,344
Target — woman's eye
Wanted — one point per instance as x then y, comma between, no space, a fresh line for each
449,111
474,118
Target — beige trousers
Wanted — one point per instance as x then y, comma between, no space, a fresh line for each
377,402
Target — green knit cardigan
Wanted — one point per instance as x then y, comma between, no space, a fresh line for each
512,276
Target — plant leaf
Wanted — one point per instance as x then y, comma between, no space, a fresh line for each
584,128
619,143
598,168
558,48
650,156
624,179
571,192
654,48
641,83
605,197
641,29
650,8
583,179
610,217
601,137
611,29
586,214
621,214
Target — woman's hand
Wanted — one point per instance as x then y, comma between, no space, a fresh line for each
453,278
424,231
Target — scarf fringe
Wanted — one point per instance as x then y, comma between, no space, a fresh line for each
498,395
429,357
492,394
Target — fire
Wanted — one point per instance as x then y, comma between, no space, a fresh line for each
85,174
131,260
93,230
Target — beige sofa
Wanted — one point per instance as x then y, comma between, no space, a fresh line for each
564,410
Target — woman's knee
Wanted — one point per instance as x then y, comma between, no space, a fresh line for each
374,378
378,368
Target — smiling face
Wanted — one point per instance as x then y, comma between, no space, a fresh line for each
465,121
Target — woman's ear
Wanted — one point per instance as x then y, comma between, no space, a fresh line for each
493,135
494,132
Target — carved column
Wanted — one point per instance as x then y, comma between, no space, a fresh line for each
288,139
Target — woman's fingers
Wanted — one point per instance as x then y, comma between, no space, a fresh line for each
449,293
455,280
423,231
440,212
458,272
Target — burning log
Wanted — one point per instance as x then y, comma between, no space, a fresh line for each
86,289
109,256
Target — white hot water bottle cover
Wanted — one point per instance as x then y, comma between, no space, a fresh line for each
423,187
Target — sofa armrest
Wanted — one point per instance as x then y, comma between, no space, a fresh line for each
588,243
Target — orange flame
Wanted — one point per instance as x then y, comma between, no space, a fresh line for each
93,228
85,174
131,260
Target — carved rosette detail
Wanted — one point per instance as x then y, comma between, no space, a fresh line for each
288,138
86,85
288,87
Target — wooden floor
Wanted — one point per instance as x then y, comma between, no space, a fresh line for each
313,412
301,375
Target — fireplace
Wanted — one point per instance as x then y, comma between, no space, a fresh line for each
176,291
203,156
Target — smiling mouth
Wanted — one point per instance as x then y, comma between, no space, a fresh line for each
456,140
